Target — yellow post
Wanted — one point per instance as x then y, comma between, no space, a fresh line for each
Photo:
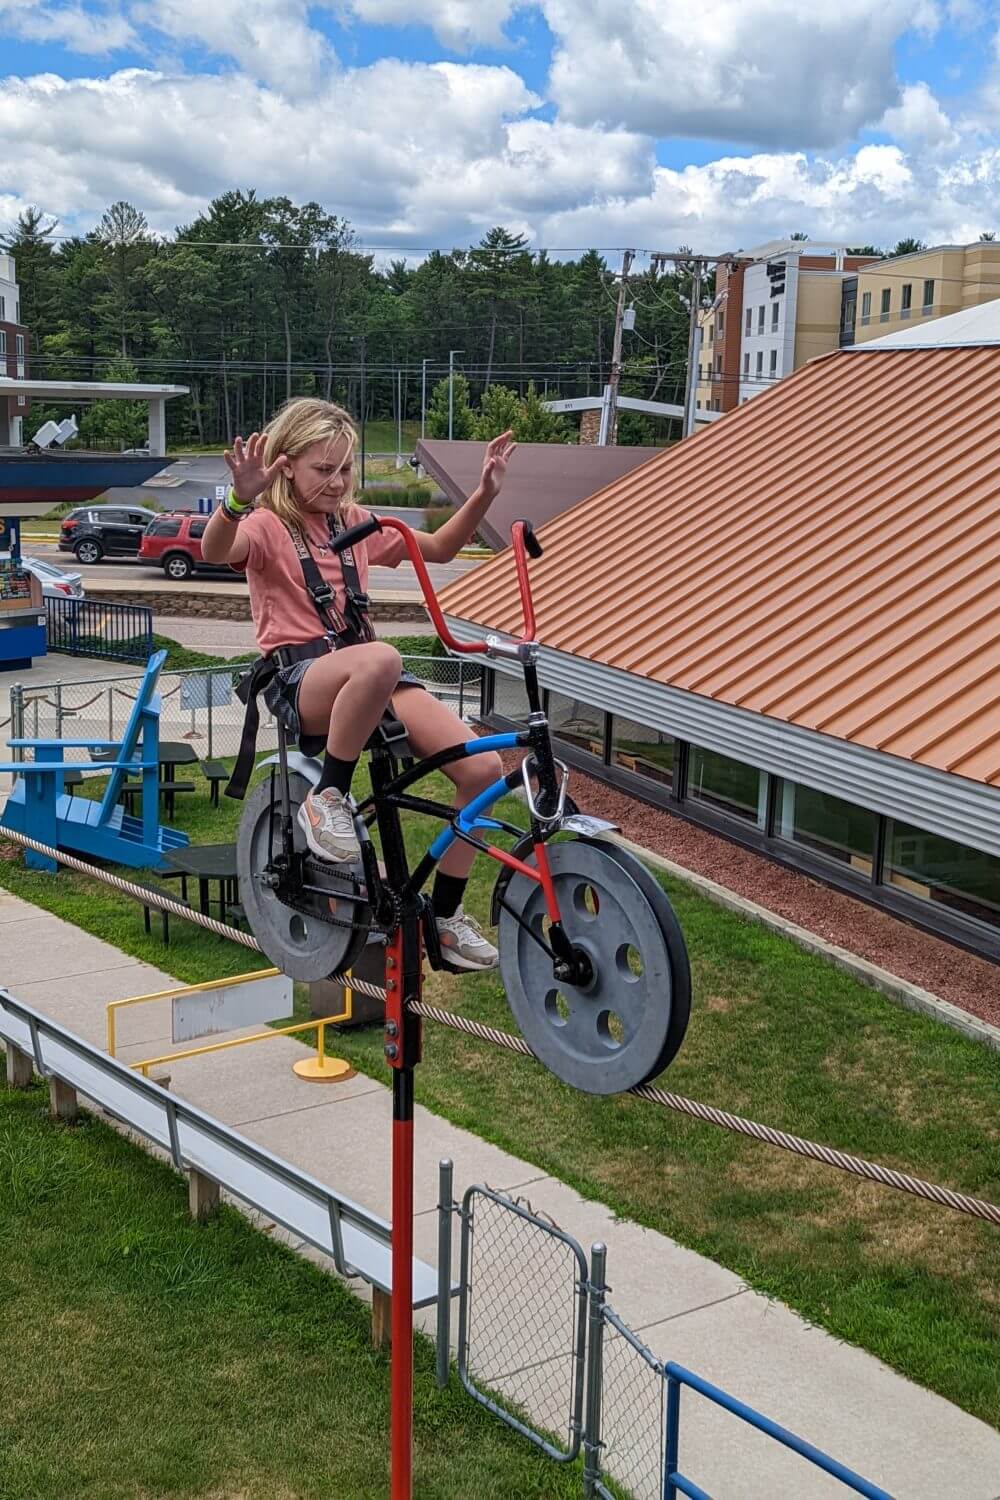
322,1069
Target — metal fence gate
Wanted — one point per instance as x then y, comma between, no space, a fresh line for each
86,627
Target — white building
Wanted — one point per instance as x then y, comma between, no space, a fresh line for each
13,343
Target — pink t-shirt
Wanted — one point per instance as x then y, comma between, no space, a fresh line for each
283,613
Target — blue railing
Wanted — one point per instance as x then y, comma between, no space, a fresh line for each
676,1483
84,627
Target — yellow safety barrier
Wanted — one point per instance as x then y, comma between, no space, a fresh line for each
318,1069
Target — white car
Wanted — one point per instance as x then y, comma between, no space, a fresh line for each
56,584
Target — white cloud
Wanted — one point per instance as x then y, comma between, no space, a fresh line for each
772,72
918,119
459,24
81,30
271,40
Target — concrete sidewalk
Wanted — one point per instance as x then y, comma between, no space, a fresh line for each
684,1306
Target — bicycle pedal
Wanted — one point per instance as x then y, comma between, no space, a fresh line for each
432,939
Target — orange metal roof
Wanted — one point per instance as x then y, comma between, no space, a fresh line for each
827,555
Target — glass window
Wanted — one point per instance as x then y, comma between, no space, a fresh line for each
577,723
907,298
760,319
720,322
167,526
509,696
866,304
19,345
137,518
935,869
760,362
197,529
886,301
3,341
746,364
749,321
774,362
645,751
929,293
827,824
774,316
731,786
711,332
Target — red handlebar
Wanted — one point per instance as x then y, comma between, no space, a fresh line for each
430,598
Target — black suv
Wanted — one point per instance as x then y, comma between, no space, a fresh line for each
95,531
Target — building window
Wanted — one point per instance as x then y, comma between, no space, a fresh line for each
928,302
3,342
19,344
746,364
760,319
720,322
906,301
774,362
718,364
3,308
731,786
509,697
749,321
830,826
866,309
935,869
885,304
760,361
647,752
577,723
774,316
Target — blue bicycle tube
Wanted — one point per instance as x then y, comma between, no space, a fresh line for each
469,814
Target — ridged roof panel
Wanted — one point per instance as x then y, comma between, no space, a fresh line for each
827,555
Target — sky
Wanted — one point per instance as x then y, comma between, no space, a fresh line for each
579,123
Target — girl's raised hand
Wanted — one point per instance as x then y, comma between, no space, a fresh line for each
495,461
251,475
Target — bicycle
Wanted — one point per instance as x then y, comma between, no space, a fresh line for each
592,957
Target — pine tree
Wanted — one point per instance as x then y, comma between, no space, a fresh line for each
499,409
535,424
463,417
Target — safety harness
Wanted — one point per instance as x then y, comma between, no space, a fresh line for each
350,627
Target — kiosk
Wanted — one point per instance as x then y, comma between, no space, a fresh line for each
22,610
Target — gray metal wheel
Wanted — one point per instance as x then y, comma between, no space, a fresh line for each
88,551
612,1033
301,945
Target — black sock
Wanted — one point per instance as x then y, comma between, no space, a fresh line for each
336,773
447,893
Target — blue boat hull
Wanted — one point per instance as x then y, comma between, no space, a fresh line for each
58,477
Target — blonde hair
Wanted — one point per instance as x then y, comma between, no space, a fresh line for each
296,426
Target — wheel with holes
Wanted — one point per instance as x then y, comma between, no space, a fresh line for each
88,551
178,566
626,1019
299,942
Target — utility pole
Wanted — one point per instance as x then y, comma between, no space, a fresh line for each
423,397
399,418
451,390
606,437
364,401
694,349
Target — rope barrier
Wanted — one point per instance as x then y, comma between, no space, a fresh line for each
903,1182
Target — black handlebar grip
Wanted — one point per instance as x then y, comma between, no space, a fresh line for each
532,545
355,534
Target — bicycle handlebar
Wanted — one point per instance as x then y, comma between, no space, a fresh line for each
523,540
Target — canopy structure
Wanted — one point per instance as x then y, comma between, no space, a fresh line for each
78,391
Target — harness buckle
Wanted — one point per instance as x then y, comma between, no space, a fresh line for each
323,594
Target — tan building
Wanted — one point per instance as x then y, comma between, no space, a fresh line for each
893,294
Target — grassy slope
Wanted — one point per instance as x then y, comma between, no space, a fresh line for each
777,1035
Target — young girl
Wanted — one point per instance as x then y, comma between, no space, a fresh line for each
292,489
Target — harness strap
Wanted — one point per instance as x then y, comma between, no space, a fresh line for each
355,627
253,682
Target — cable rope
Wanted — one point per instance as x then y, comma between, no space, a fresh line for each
873,1171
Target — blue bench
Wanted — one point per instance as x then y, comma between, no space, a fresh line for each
40,807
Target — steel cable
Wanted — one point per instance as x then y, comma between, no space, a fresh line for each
931,1192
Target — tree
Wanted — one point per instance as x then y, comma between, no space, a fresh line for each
499,409
908,246
463,417
535,424
865,250
500,267
987,237
798,234
33,256
116,424
124,233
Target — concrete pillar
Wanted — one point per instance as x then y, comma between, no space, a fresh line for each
20,1068
63,1103
203,1195
158,425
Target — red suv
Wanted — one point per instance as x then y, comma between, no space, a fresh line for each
174,542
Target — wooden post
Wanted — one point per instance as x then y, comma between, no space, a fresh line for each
381,1318
203,1195
20,1068
62,1101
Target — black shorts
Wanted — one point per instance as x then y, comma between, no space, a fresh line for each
282,698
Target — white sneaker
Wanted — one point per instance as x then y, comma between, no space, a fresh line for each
325,819
463,945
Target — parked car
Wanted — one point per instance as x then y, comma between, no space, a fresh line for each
95,531
173,541
56,584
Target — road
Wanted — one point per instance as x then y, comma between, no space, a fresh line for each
396,580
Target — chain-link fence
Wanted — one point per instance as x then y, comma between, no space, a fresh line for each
200,705
522,1318
630,1447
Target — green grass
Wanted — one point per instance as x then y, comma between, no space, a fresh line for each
144,1355
776,1034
